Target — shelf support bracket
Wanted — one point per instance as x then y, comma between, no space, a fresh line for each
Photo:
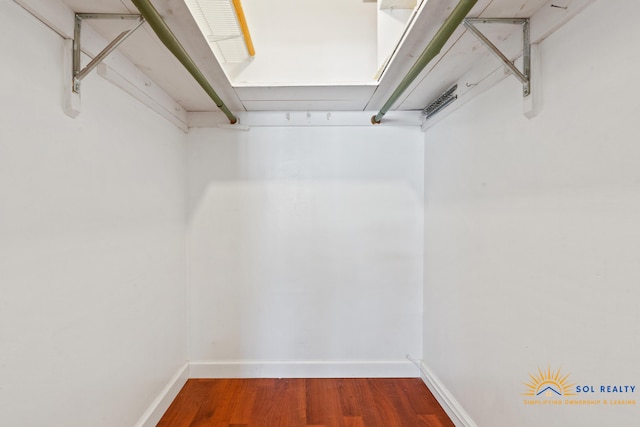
523,76
80,73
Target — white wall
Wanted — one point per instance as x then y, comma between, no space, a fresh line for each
532,238
92,259
311,42
305,244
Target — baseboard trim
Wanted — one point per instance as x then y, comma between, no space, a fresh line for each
302,369
156,410
444,397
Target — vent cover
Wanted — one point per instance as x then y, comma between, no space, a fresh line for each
441,102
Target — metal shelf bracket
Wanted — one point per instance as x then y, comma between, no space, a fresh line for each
80,73
523,76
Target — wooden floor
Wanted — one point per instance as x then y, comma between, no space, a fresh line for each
379,402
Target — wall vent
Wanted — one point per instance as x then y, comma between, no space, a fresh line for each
441,102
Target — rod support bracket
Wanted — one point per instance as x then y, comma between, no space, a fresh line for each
523,76
80,73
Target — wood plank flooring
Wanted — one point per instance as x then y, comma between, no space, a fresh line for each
292,402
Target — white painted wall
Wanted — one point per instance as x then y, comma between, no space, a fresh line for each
305,245
532,238
309,42
92,259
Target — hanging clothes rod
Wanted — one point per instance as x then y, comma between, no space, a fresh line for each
431,51
169,39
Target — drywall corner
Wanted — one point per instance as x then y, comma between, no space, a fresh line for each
159,406
451,406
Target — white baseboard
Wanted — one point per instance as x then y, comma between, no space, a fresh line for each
444,397
152,415
302,369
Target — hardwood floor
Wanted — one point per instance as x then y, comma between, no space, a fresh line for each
359,402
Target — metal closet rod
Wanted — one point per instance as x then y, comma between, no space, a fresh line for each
169,39
431,51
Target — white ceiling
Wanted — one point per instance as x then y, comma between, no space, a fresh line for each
460,54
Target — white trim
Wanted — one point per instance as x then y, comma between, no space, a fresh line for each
304,118
451,406
302,369
134,82
158,407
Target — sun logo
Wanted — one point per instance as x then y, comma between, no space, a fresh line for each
549,384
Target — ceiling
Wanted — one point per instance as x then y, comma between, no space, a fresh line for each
460,55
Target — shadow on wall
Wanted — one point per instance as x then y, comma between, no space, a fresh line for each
305,243
305,154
